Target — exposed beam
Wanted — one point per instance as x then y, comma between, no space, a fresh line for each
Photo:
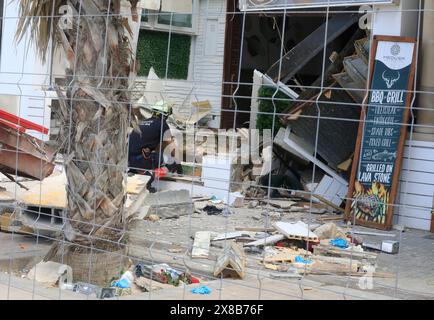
306,50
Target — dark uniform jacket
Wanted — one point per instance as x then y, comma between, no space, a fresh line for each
151,136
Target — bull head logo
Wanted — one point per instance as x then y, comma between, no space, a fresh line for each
391,79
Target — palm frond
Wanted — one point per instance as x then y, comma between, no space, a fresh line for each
38,17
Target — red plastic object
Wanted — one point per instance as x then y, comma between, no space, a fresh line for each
161,172
20,122
312,244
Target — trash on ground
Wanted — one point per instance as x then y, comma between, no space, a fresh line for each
340,243
232,263
201,290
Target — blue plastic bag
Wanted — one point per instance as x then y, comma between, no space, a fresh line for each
201,290
299,259
123,284
340,243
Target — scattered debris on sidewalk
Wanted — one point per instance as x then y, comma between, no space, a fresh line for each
201,244
232,263
51,274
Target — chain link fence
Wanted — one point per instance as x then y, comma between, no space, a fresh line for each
215,148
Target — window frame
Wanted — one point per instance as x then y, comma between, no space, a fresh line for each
154,25
2,12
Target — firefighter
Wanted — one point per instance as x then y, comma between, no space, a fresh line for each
145,154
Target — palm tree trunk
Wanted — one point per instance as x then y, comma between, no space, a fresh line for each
95,110
95,113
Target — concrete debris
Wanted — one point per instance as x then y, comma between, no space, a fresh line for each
237,200
153,218
170,204
330,231
202,241
275,216
281,204
253,204
51,273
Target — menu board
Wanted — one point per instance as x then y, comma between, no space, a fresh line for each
252,5
377,164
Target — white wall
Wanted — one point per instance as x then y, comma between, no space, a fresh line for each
206,61
396,20
22,75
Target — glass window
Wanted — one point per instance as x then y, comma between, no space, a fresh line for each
1,22
145,15
178,20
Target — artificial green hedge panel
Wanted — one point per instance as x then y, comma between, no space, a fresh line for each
282,102
152,52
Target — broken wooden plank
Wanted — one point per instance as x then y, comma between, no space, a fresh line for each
327,250
328,203
231,235
255,229
292,62
346,165
6,196
356,92
331,218
285,275
357,70
9,223
297,231
376,234
281,204
232,263
288,255
50,193
329,265
266,241
362,48
14,180
201,244
137,205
